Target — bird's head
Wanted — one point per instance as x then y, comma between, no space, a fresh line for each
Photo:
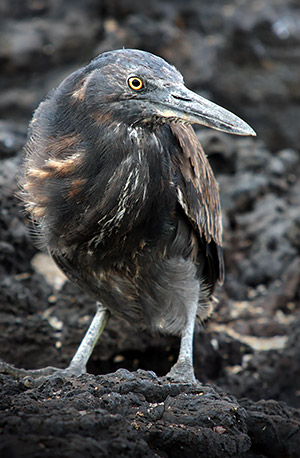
136,87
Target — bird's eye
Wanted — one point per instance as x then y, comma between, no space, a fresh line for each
135,83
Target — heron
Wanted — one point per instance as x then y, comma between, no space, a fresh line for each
122,196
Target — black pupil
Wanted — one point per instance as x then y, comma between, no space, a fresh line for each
135,82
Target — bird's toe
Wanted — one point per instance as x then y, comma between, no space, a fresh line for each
33,377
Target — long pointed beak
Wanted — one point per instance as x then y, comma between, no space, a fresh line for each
190,107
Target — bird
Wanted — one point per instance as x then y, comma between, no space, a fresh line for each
121,194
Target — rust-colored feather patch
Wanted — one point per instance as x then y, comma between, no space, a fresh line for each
36,211
63,167
47,159
104,118
34,173
79,93
76,188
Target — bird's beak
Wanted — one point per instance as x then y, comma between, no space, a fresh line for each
187,106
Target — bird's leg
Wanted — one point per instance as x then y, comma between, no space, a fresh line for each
78,364
183,369
79,361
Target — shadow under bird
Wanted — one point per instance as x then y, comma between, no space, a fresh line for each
123,197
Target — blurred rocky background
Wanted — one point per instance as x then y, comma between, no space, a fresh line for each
243,55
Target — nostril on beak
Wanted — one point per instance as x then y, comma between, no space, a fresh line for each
178,97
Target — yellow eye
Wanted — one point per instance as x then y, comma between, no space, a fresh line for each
135,83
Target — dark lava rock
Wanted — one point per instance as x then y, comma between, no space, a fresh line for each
137,414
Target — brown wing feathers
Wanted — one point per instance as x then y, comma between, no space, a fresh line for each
198,194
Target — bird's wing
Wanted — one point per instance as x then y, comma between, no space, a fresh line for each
198,195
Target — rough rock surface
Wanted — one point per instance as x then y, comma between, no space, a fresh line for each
244,56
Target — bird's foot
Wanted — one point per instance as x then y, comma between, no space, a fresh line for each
182,372
34,377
